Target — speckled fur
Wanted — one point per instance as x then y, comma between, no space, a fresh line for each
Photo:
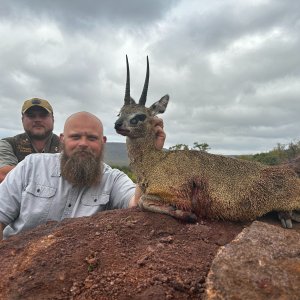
212,186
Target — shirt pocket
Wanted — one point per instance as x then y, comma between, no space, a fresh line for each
40,191
37,203
95,200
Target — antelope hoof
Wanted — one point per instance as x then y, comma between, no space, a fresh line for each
185,216
286,218
156,207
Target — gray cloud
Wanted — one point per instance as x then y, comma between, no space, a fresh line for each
231,68
84,15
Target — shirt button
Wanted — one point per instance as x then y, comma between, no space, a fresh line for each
38,190
70,205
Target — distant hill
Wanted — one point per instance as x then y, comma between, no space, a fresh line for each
116,154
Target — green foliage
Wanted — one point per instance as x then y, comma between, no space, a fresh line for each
179,147
201,147
268,158
281,153
127,171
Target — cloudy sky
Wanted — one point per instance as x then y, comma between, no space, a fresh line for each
231,68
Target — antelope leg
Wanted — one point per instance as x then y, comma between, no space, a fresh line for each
155,204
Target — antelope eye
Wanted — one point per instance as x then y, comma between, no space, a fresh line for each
133,121
138,118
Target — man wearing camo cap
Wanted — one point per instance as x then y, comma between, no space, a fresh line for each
38,120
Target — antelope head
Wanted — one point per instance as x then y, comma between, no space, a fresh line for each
134,117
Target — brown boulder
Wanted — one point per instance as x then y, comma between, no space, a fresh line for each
262,262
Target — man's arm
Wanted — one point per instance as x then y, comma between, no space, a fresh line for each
10,198
8,160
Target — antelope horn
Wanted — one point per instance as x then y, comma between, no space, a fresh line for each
127,90
143,98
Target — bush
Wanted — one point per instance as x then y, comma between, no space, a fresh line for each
278,155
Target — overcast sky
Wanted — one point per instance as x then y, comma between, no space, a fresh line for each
231,68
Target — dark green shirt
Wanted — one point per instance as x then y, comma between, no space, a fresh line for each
15,149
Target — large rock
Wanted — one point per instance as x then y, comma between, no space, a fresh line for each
120,254
262,262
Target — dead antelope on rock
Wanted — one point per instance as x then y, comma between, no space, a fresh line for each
191,184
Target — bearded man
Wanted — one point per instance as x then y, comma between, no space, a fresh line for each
38,121
70,184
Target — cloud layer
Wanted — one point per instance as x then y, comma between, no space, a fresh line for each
231,68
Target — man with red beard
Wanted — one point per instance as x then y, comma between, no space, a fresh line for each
70,184
38,120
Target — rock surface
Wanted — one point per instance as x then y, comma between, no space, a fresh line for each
262,262
120,254
129,254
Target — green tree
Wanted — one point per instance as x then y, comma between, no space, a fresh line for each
269,158
279,154
197,146
179,147
201,147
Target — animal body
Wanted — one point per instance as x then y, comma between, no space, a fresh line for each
188,184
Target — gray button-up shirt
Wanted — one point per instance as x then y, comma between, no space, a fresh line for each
34,193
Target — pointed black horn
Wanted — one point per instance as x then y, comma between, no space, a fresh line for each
143,98
127,89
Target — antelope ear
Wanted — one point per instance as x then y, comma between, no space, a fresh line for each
160,106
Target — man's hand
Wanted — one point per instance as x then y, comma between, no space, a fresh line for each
136,197
158,125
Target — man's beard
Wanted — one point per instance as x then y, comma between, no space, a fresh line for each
39,136
82,168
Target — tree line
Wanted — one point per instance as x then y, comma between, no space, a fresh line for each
280,154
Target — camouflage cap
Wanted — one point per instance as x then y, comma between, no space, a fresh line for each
37,102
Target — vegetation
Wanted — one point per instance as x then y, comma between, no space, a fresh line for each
280,154
201,147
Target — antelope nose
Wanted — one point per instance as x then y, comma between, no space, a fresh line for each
118,124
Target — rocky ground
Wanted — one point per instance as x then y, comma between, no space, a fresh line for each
120,254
